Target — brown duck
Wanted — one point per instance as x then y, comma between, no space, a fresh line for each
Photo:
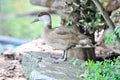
63,37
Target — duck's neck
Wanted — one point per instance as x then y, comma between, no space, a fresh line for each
47,22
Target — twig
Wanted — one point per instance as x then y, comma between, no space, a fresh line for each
104,14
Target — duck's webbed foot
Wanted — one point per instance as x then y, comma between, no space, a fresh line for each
62,59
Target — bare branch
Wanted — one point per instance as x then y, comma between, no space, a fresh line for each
104,14
32,13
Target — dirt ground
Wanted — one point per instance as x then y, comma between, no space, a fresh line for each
10,69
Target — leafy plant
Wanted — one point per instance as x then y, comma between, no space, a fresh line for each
88,19
92,18
111,37
117,29
106,70
74,61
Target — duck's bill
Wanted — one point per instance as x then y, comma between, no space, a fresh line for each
35,20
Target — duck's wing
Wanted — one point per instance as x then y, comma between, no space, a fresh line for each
74,36
65,30
63,35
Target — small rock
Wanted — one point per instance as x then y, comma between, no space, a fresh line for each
82,76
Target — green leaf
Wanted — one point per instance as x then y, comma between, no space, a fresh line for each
113,37
117,29
74,61
77,72
84,64
105,4
81,20
69,22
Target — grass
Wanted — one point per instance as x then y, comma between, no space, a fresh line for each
20,27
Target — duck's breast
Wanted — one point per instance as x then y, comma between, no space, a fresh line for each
49,40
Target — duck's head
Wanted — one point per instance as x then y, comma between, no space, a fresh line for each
43,16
